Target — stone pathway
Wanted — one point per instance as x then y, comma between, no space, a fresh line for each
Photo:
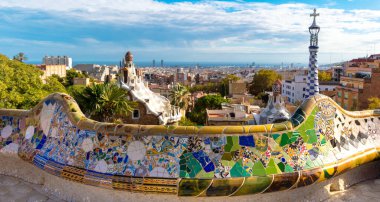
367,191
14,189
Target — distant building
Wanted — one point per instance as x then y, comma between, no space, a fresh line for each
81,81
163,90
361,81
180,76
291,74
337,72
152,108
49,70
227,117
58,60
100,73
237,88
296,90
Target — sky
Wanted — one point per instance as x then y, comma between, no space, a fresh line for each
189,31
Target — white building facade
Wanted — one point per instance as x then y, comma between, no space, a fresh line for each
58,60
296,90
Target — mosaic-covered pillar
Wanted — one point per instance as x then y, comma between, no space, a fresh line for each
312,77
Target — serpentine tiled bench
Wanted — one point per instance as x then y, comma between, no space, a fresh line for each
319,142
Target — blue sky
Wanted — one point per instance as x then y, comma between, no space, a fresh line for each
195,31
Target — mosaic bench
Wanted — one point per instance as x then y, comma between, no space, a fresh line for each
319,142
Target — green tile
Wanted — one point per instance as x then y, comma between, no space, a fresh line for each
284,140
312,137
192,187
281,166
258,169
224,187
204,174
238,171
294,137
272,168
254,185
288,169
275,136
323,140
227,156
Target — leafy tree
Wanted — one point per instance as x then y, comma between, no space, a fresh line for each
209,102
263,81
324,76
75,90
21,85
53,85
263,97
230,77
104,102
61,80
207,88
180,96
198,114
186,122
71,74
374,103
21,57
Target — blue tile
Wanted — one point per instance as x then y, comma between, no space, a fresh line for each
246,141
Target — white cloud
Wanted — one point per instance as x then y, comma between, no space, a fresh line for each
239,27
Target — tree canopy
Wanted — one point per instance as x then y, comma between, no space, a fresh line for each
21,57
263,81
198,114
221,87
180,96
71,74
374,103
103,102
21,85
324,76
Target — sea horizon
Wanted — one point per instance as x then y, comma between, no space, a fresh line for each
186,64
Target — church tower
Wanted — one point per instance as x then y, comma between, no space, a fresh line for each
312,77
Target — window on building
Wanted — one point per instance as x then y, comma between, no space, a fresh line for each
136,114
232,115
339,94
346,96
304,89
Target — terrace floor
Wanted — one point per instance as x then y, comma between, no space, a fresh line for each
14,189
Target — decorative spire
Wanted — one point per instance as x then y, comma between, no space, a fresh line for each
128,57
312,76
315,14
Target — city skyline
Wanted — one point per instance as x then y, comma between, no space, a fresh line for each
194,31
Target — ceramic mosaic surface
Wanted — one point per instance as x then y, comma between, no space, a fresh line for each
320,141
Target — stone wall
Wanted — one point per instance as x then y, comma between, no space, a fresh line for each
145,118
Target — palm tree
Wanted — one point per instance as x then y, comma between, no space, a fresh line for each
180,96
20,57
105,102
